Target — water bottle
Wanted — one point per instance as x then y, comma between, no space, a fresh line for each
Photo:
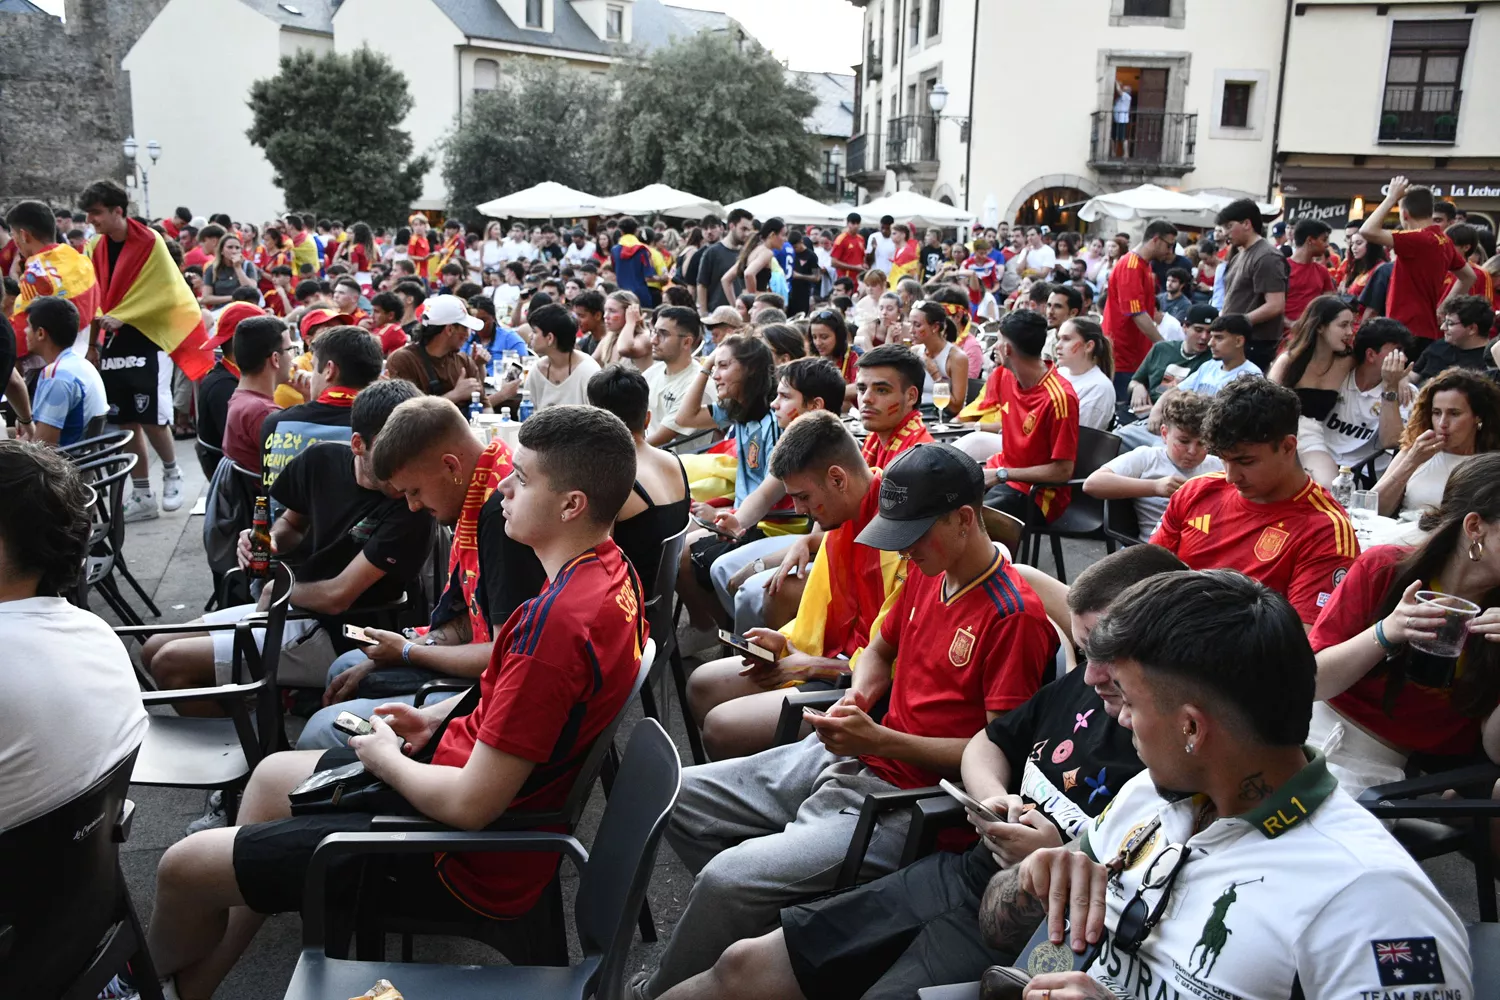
475,408
1343,486
526,406
505,414
497,369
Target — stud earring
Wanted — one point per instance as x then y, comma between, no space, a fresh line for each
1188,748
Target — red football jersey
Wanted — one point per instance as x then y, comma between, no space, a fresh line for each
1306,282
1421,718
1301,547
985,648
1132,290
913,431
563,666
849,248
1424,257
1037,426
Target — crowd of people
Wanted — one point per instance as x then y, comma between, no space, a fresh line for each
477,448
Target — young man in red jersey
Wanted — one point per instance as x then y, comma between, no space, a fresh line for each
849,249
1425,256
1035,411
765,831
1130,310
1263,515
562,668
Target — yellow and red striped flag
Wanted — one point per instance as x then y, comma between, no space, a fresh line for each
62,271
145,290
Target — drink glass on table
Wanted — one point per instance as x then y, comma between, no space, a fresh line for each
1364,508
941,397
1454,630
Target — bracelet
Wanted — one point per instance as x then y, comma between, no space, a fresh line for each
1385,644
406,651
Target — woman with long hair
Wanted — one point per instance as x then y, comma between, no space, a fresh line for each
400,245
228,270
1456,416
1086,358
961,310
1381,699
691,244
1317,362
785,340
602,247
1364,258
936,335
627,337
829,335
758,263
491,252
885,326
359,250
1113,252
1093,256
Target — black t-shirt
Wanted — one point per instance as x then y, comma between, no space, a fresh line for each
345,519
287,433
1376,288
1072,757
689,272
805,263
1441,355
510,574
214,391
714,261
553,253
932,261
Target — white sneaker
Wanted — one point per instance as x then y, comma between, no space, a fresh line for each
213,814
171,491
141,507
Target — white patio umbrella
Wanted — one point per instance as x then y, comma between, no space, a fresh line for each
1145,202
789,206
662,199
548,200
1216,203
908,206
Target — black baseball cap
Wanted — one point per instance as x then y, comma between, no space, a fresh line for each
1201,313
920,486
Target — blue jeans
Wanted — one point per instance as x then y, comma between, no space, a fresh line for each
730,563
379,687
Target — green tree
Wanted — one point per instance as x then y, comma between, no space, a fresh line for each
536,127
708,116
354,161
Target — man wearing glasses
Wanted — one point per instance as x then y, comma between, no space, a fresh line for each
1257,876
674,340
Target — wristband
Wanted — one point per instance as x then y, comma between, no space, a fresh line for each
406,651
1385,644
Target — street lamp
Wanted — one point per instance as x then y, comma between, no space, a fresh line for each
153,149
937,100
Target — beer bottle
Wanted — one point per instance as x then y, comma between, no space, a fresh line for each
260,539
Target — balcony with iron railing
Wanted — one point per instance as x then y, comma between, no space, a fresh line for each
863,157
911,140
1151,142
1426,114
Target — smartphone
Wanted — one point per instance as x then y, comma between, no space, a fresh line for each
711,526
745,646
816,713
968,801
358,634
352,725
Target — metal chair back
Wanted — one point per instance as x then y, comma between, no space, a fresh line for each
95,444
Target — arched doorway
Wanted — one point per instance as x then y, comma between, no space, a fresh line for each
1056,207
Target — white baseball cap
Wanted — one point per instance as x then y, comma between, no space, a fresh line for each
445,310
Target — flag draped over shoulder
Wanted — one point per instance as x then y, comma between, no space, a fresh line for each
145,290
62,271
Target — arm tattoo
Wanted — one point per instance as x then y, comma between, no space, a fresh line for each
454,632
1254,787
1008,914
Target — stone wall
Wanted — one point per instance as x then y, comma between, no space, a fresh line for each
64,101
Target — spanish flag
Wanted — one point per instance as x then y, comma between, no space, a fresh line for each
988,403
145,290
905,264
62,271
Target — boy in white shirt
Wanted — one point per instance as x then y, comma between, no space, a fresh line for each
1151,474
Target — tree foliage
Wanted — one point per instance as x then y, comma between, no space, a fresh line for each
711,116
537,127
356,161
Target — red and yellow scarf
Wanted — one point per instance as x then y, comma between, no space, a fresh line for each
913,431
338,395
494,464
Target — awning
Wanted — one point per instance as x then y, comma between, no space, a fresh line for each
548,200
792,208
908,206
1139,203
660,199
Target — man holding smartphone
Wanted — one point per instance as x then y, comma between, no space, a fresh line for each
1044,769
766,831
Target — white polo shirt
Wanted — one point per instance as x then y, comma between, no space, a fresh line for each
1306,887
1352,429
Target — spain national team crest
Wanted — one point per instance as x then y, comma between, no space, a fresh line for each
1270,543
962,648
1029,424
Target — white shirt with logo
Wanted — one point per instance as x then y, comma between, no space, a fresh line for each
1352,429
1306,887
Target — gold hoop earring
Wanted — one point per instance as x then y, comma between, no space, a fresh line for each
1476,550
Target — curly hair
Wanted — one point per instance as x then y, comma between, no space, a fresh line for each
1250,411
44,516
1186,412
1484,399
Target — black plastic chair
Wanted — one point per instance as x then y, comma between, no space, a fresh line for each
1121,522
94,444
1084,516
611,889
67,925
661,615
107,475
546,936
220,753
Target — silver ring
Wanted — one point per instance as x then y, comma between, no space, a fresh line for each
1408,621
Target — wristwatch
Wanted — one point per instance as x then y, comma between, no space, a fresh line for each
1002,474
1389,395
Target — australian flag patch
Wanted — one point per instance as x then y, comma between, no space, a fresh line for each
1408,961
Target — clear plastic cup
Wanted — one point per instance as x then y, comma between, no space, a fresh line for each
1454,630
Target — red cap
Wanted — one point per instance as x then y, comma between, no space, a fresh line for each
314,318
230,317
